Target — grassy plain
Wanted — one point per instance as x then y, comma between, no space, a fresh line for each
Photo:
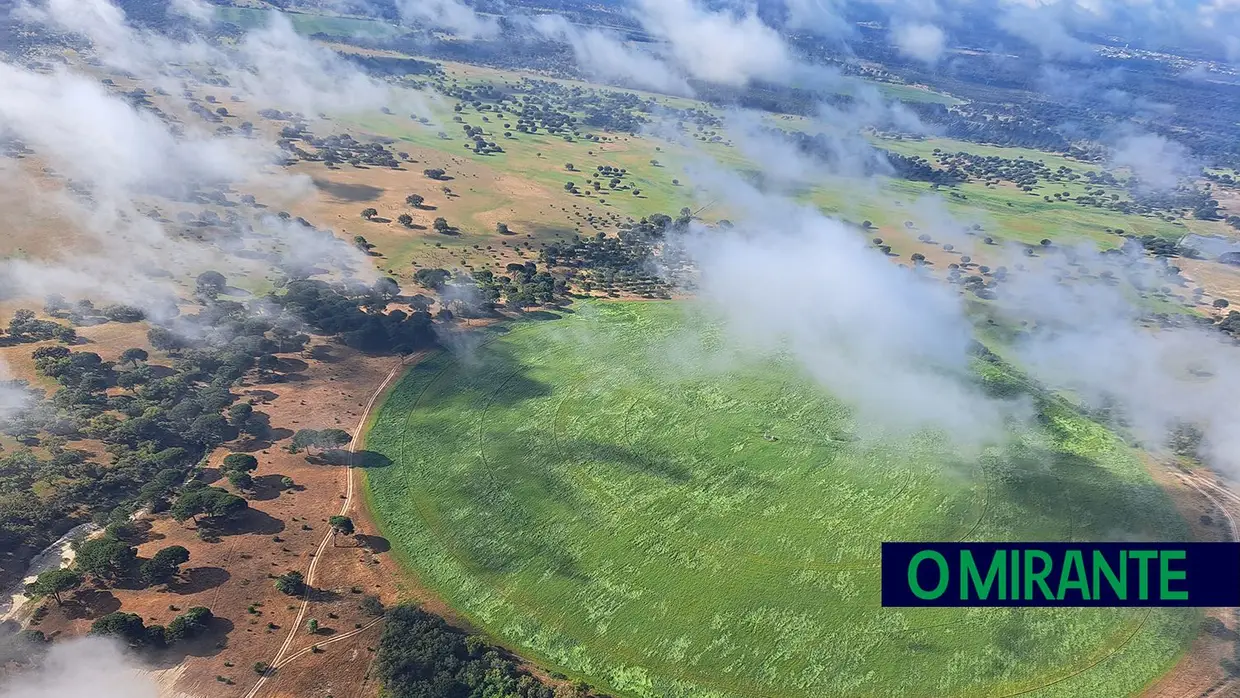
1006,212
308,24
616,496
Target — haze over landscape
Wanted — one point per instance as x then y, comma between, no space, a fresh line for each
556,349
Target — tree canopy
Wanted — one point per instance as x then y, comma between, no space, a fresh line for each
164,565
54,583
291,583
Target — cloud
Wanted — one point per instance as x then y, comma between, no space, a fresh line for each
1044,29
718,46
272,65
822,17
279,67
196,10
113,164
13,398
452,15
894,343
924,42
93,137
1087,336
832,144
605,57
1155,160
890,342
78,669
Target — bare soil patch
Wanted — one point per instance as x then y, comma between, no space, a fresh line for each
1219,280
232,574
1200,671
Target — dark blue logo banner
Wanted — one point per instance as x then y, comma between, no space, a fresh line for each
1061,574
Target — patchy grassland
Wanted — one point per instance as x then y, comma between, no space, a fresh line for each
1006,212
308,24
663,530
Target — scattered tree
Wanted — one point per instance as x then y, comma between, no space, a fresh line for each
125,626
341,525
241,480
433,279
319,438
240,461
165,564
291,583
133,356
211,502
188,624
104,558
239,415
54,583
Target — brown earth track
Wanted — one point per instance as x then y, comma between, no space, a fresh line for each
1199,673
233,574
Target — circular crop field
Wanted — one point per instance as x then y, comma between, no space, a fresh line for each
615,495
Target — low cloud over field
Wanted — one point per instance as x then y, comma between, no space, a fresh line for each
451,15
888,342
925,42
604,56
895,342
105,164
79,668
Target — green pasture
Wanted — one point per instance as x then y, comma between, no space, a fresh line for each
541,158
1006,212
617,496
308,24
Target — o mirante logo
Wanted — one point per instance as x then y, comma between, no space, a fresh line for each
1061,574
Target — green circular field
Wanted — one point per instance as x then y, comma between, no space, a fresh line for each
613,495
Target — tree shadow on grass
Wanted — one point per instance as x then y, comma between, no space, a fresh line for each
491,374
199,579
291,365
658,464
353,193
359,459
540,315
90,603
266,488
212,640
324,353
1059,490
322,595
375,544
252,521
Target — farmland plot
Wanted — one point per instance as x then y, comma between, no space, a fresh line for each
612,495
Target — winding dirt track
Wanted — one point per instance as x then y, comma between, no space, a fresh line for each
283,657
1212,491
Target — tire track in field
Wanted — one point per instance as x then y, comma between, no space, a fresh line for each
1203,485
1200,484
549,617
396,370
